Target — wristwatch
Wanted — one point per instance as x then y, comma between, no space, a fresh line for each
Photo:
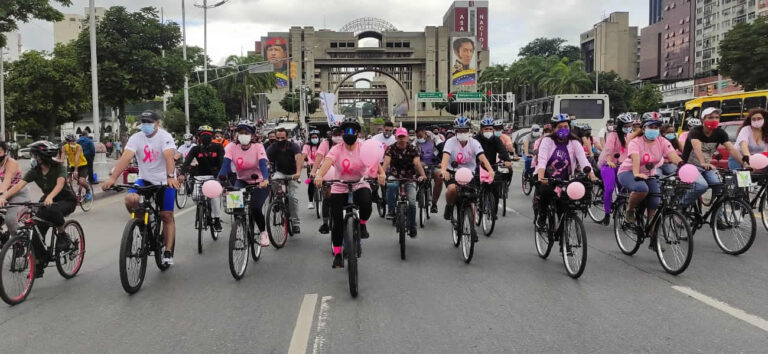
171,175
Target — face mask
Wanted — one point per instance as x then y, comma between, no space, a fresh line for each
148,128
187,143
487,135
350,139
336,139
387,134
671,136
627,130
314,141
206,139
411,138
711,124
535,134
463,136
421,140
563,133
244,139
651,134
757,124
497,133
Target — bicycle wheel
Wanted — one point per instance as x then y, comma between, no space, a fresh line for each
734,226
455,228
468,235
488,220
70,260
159,241
542,237
238,249
381,205
200,225
427,199
277,224
181,195
133,256
674,242
85,196
504,196
626,235
255,242
764,209
318,200
17,270
402,222
574,246
350,250
423,201
527,185
596,210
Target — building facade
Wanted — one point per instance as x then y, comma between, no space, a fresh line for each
666,47
654,11
69,28
714,18
611,45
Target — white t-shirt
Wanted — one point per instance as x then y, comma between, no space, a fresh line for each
466,155
386,141
149,155
184,150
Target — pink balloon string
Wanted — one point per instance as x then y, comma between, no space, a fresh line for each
345,167
147,154
460,158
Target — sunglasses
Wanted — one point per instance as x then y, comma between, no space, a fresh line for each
350,131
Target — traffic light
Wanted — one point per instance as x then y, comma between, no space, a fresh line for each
450,97
488,96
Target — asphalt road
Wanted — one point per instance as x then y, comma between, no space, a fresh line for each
506,300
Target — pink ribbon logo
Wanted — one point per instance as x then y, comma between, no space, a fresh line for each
345,167
239,163
147,154
646,158
460,158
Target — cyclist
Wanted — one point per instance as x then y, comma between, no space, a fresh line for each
498,131
690,123
220,139
669,132
10,174
559,153
58,198
287,160
251,166
701,144
460,151
309,152
428,155
545,131
615,143
448,134
76,161
528,147
610,126
349,167
184,149
270,139
385,137
209,156
596,146
335,138
154,150
402,161
493,149
648,149
753,136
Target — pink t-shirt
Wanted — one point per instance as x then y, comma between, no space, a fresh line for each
349,166
310,151
649,152
611,148
323,148
246,162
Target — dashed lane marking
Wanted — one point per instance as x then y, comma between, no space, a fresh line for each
303,325
722,306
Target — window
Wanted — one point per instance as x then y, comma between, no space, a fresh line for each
583,108
704,105
752,102
334,45
731,106
406,44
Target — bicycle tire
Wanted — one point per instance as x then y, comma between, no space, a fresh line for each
182,195
672,239
763,207
238,249
402,212
159,245
527,185
15,245
596,210
505,195
423,204
318,200
428,199
255,242
133,247
200,225
350,249
543,242
626,236
468,235
455,233
381,207
277,223
86,204
576,264
488,220
69,264
734,218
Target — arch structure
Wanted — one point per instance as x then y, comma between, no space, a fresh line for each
368,24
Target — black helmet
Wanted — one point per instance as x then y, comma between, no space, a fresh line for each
44,148
350,122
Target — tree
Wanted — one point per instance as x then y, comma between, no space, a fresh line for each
291,100
572,52
566,78
620,92
174,121
743,54
236,89
542,47
205,106
14,11
646,99
130,62
45,91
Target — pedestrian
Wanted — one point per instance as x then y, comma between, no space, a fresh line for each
89,150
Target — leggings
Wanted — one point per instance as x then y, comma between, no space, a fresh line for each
256,204
311,192
609,184
337,202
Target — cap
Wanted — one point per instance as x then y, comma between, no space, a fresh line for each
535,127
710,110
149,116
401,132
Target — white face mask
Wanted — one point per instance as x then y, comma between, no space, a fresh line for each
244,139
462,136
187,143
487,135
336,139
535,134
421,140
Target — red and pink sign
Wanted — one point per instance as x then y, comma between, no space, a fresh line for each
482,28
461,19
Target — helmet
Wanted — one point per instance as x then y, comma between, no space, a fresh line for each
693,122
70,137
498,123
243,124
314,132
204,128
188,136
559,118
486,122
586,127
350,122
625,118
651,118
44,148
462,123
218,130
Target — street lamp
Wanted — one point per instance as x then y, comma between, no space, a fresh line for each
186,76
205,8
94,71
2,96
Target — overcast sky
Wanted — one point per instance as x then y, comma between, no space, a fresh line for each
236,25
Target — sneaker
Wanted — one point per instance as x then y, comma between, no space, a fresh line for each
311,205
324,229
390,215
39,270
364,232
541,223
338,261
217,224
412,232
722,225
296,229
264,239
168,258
448,212
606,219
629,216
433,209
63,242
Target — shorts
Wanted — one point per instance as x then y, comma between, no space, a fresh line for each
164,199
82,171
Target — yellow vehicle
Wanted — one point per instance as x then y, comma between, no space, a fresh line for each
734,105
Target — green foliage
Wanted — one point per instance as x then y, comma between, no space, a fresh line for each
236,89
290,102
550,47
744,54
205,107
646,99
619,91
174,121
14,11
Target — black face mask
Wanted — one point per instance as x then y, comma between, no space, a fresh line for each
206,139
350,139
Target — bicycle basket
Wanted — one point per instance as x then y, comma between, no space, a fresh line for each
235,200
197,191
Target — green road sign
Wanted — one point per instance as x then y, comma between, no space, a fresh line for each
430,97
469,96
724,84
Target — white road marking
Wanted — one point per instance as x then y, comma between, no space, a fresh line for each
303,325
322,318
722,306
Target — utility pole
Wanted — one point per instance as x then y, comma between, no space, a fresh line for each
94,71
186,76
205,8
2,97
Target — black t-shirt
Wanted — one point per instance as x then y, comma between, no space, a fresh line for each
708,144
209,159
47,182
283,156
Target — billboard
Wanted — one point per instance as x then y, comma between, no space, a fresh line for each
464,59
482,28
460,19
276,52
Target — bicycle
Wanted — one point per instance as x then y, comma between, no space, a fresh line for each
19,256
84,195
317,197
379,199
676,236
401,212
351,247
462,221
728,211
184,191
424,197
487,211
528,181
142,236
564,225
203,218
596,210
242,237
505,175
760,200
278,216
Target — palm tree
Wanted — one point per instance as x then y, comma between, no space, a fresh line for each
241,84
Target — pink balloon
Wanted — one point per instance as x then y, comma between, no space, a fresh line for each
464,176
688,173
330,174
371,152
212,189
758,161
575,190
373,172
306,181
485,177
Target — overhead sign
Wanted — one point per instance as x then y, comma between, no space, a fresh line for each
469,96
430,96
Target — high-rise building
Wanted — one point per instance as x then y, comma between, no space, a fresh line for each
666,50
611,45
12,50
654,12
69,28
713,20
